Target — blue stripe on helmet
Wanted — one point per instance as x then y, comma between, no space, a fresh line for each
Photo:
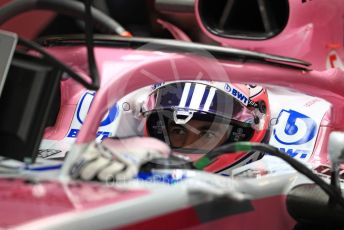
190,95
204,98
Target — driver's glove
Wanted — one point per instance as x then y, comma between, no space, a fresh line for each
117,159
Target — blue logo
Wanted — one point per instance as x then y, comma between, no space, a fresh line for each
294,128
302,154
228,88
167,178
73,133
236,94
85,104
157,85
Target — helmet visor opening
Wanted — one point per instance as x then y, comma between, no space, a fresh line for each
190,99
198,135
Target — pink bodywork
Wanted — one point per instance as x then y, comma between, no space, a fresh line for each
24,201
257,219
40,205
314,29
124,70
305,37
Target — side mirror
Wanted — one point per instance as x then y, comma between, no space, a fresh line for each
25,105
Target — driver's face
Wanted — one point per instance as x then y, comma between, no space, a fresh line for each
198,134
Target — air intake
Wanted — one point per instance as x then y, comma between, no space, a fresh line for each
244,19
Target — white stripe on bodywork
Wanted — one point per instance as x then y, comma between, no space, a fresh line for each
209,99
197,96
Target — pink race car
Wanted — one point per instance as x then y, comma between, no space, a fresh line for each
281,107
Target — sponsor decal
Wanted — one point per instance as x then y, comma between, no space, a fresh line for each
295,134
44,153
295,122
296,153
236,93
333,60
162,176
298,128
73,133
157,85
85,104
107,124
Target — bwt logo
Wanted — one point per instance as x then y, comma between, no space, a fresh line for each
157,85
85,104
296,153
73,133
294,128
236,93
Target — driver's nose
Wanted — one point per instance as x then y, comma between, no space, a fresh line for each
191,140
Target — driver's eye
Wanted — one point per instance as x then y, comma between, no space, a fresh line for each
208,134
178,130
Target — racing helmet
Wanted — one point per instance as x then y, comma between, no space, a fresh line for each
195,117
